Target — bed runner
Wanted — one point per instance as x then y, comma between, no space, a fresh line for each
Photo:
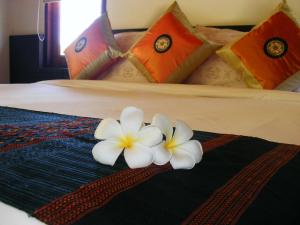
48,171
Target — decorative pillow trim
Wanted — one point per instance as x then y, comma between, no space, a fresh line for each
85,65
284,7
135,61
230,57
103,62
176,11
191,63
198,48
106,29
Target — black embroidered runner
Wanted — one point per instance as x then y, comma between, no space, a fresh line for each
48,171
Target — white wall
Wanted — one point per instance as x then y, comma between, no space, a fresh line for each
4,53
141,13
23,17
17,17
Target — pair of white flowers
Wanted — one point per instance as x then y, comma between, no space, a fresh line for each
144,145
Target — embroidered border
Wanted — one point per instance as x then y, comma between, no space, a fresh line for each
18,137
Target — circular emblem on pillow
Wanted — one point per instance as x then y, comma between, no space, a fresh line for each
163,43
276,47
80,45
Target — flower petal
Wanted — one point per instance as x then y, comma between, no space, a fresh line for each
139,156
107,129
150,136
164,124
194,148
106,152
160,155
182,160
131,120
182,132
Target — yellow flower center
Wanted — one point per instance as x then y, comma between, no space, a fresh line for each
126,142
170,145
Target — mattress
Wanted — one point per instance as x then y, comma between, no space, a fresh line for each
249,173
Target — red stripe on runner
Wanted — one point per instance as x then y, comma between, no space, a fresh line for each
71,207
218,141
229,202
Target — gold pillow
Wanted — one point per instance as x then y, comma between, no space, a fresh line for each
270,53
171,49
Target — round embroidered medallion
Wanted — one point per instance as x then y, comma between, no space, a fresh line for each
80,45
276,47
163,43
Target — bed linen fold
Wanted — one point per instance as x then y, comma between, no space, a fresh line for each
271,115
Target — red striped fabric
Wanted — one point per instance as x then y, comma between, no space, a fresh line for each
219,141
229,202
71,207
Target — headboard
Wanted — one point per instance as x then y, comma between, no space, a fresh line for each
132,14
244,28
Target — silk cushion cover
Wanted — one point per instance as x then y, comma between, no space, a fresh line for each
170,50
93,51
270,53
214,71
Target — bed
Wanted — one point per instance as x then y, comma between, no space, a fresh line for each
271,116
249,173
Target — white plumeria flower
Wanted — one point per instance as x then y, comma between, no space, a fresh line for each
182,152
129,135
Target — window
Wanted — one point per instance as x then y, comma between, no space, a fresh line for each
65,20
75,17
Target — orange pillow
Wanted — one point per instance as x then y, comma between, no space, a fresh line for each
93,51
270,53
170,50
